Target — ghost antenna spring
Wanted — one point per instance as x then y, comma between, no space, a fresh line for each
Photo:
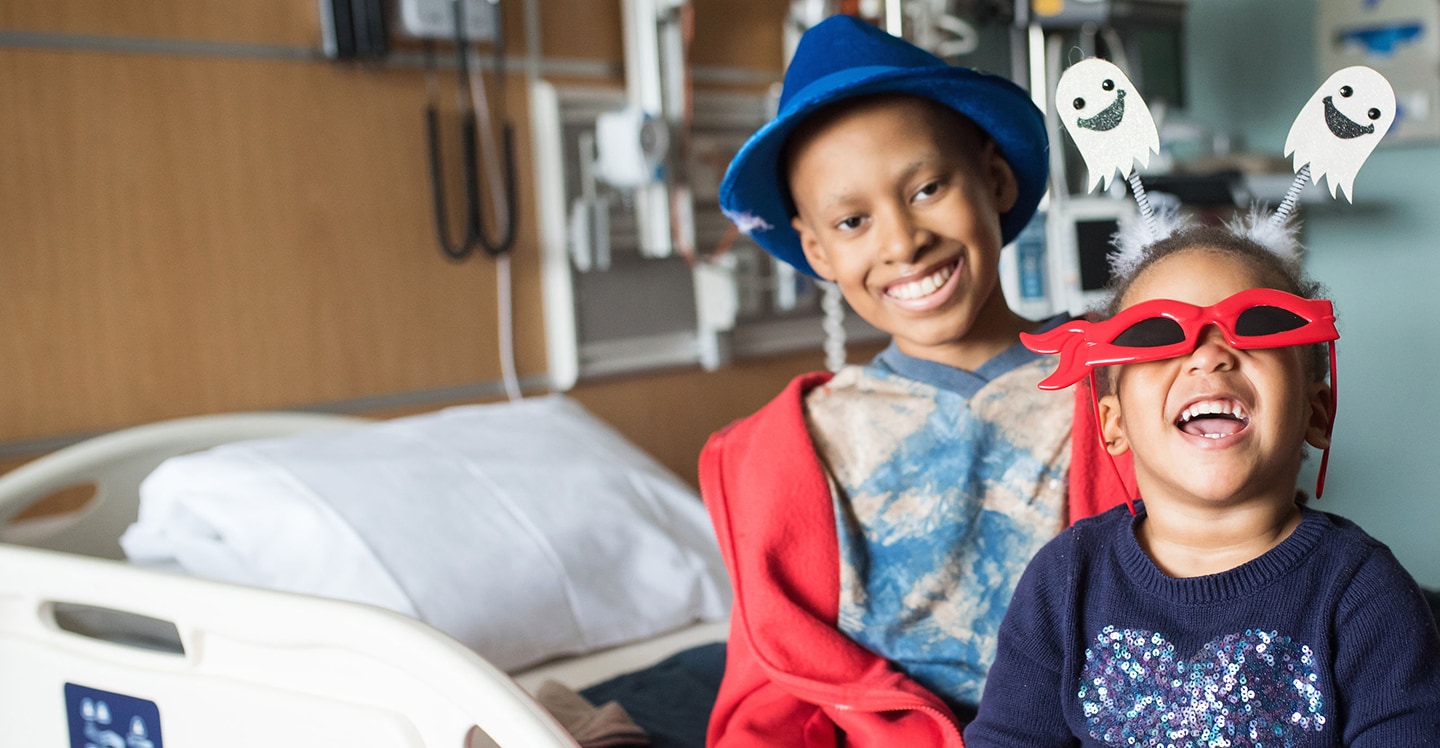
1292,196
1142,199
475,232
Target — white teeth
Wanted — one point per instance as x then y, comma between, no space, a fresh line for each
924,287
1214,407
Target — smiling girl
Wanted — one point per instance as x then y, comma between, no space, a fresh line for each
1221,610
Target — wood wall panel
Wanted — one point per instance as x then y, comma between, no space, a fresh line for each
739,34
205,234
727,33
188,234
286,22
582,29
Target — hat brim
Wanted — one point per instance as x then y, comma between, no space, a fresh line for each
755,195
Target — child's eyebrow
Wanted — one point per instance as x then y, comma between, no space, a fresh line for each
914,167
837,199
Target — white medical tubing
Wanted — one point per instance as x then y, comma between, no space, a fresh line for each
490,156
507,327
832,302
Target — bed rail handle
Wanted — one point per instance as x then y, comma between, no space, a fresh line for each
118,627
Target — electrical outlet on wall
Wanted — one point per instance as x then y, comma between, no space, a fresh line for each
434,19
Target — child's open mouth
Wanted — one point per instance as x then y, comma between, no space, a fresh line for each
920,289
1213,419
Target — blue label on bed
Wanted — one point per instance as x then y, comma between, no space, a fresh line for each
101,719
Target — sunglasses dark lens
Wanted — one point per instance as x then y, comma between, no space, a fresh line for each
1266,320
1151,333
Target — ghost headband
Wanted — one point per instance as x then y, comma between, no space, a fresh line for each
1332,136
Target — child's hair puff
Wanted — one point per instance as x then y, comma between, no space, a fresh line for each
1271,247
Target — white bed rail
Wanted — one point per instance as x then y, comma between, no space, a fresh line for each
115,463
353,675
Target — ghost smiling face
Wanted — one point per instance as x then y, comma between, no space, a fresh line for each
1340,125
1107,119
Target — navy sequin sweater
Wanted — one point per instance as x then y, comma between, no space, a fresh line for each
1324,640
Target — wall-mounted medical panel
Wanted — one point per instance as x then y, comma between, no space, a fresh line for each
612,308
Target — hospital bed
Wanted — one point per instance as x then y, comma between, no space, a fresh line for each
95,651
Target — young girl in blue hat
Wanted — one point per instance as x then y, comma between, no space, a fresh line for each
1223,611
875,524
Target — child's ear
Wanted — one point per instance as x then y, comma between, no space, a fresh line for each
1002,177
1112,426
1317,431
814,252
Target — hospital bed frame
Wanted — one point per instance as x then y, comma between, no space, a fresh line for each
228,665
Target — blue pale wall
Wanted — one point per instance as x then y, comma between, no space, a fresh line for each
1251,65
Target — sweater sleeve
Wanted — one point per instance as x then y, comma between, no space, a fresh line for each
1022,704
1387,664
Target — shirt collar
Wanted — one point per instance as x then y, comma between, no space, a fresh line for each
960,381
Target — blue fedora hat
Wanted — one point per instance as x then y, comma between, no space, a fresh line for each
842,58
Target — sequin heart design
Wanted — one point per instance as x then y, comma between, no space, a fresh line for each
1251,690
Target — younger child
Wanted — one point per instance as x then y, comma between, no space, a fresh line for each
1224,612
874,525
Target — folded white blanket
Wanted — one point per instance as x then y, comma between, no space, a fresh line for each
525,530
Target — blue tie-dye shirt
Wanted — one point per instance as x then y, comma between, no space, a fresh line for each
945,482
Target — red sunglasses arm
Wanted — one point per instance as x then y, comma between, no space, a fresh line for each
1069,341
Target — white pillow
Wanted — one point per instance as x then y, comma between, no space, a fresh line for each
524,530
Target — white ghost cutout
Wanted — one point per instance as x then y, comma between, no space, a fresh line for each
1341,124
1107,119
